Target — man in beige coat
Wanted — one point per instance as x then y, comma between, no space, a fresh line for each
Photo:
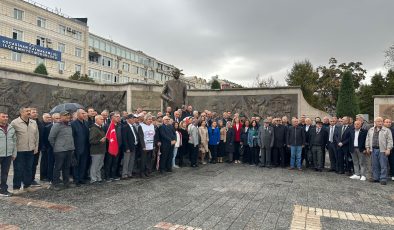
379,143
27,138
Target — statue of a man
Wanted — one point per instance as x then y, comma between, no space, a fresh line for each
174,91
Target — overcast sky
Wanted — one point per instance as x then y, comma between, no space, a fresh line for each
240,39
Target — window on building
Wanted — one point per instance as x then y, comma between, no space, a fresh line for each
95,74
61,66
40,60
40,41
113,50
106,77
17,34
90,42
133,69
142,72
18,14
96,43
107,48
160,66
61,47
15,56
102,45
107,62
93,57
126,66
78,52
62,29
77,35
41,22
78,68
151,74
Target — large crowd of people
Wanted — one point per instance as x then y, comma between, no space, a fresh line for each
84,147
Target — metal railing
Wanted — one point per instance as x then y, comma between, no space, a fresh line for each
55,11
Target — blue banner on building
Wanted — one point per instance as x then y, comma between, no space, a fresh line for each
24,47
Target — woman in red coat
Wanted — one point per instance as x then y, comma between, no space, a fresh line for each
237,126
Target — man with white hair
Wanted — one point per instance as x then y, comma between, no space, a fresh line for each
80,131
379,143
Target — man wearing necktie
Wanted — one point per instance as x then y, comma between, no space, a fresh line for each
167,141
342,139
332,145
317,141
266,142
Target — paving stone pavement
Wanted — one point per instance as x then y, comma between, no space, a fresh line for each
219,196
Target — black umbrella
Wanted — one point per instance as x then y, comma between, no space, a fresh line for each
69,107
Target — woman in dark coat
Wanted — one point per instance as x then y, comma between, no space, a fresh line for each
183,149
229,142
244,142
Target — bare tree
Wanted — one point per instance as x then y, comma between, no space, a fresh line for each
389,57
261,82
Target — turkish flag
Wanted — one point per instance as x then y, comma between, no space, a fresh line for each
113,146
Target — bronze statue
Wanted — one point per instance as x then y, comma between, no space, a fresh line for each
174,91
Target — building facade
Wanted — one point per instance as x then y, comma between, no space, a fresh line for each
30,35
111,62
195,82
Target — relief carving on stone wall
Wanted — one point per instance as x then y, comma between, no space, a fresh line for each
386,111
16,94
250,105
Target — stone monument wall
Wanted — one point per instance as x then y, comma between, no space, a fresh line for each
27,89
279,101
384,106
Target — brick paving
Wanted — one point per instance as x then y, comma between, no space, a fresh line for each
220,196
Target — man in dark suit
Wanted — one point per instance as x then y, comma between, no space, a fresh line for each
358,151
81,142
318,138
278,151
342,138
266,142
48,148
131,143
306,152
332,145
167,139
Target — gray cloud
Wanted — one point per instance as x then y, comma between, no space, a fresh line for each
240,39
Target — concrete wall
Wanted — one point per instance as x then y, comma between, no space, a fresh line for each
384,106
27,89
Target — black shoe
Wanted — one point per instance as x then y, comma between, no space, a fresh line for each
116,178
35,184
383,182
372,180
169,170
331,170
5,193
55,187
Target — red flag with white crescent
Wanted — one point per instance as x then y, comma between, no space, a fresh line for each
113,146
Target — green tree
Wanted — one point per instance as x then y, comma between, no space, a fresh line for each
347,104
390,83
41,69
302,74
365,97
77,76
330,78
215,84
